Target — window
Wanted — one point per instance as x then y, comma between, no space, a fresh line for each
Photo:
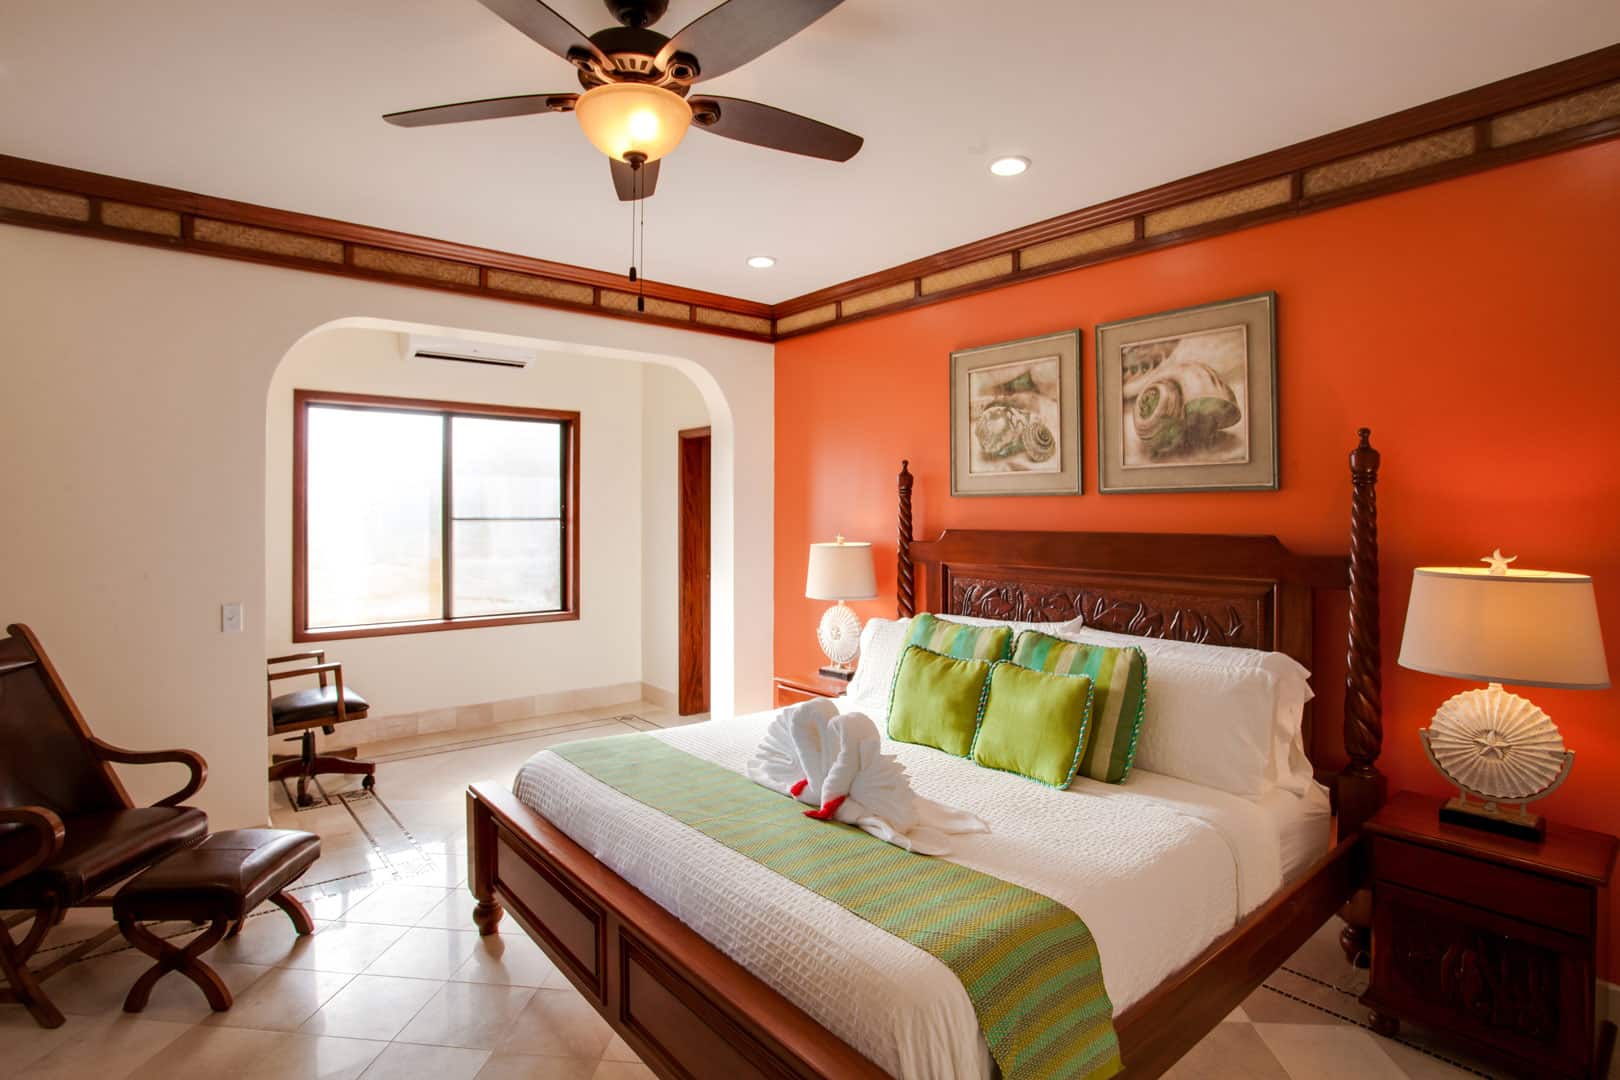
411,516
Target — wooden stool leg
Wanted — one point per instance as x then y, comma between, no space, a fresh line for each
24,983
186,961
295,911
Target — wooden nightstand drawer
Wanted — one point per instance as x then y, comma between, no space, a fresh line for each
1557,904
1518,988
791,691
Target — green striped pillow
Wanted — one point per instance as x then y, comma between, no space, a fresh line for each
960,640
1119,680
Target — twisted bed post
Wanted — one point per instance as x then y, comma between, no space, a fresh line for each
905,586
1361,787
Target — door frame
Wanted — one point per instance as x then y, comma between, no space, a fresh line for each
692,694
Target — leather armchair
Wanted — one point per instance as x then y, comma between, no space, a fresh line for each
68,828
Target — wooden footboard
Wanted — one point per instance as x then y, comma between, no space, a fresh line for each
691,1012
686,1008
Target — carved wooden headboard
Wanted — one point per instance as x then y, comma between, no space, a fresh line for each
1247,591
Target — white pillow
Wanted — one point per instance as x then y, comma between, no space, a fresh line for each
1208,725
882,642
1288,765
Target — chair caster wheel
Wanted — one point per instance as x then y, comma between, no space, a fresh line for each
368,782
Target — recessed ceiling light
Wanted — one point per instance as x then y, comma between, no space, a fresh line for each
761,262
1009,166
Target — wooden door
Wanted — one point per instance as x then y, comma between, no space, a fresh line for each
693,694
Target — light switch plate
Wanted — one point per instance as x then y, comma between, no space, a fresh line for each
230,618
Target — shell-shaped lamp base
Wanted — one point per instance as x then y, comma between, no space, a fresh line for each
1497,746
839,634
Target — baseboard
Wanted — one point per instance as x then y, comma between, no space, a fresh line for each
657,695
487,714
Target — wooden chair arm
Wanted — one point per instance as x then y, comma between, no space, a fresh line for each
189,758
313,654
41,820
313,669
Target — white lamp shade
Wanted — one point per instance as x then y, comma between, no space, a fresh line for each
1525,627
840,571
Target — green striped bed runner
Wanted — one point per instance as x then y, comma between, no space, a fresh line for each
1028,964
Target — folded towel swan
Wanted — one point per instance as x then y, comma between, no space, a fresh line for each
835,764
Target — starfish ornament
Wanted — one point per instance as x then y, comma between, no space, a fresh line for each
1499,562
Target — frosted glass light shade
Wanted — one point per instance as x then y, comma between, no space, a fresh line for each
841,570
624,118
1524,627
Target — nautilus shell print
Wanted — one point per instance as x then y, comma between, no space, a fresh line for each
1183,406
1496,744
1003,429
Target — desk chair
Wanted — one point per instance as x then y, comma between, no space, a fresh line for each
305,710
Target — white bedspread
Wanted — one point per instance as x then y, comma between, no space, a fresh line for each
1156,867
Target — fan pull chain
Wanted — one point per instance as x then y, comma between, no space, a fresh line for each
641,211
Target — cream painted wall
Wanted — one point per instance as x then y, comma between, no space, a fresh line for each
416,672
132,427
669,403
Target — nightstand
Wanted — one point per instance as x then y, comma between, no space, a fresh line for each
792,689
1491,939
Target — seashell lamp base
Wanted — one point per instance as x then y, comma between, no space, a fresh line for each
1500,749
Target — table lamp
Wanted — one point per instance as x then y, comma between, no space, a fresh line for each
841,570
1496,625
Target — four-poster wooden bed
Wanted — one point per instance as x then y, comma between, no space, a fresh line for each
690,1011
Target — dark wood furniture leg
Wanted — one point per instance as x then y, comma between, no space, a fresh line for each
186,961
25,988
295,911
481,868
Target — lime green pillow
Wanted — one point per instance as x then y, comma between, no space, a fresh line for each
1119,678
959,639
935,700
1034,724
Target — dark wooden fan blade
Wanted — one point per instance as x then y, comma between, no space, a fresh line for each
487,109
626,183
546,27
737,31
762,125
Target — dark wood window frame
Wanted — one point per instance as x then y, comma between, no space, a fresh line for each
303,399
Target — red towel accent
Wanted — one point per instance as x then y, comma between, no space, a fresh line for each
828,809
800,786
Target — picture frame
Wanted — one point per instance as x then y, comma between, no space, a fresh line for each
1187,399
1015,417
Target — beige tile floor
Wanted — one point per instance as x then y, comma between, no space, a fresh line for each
396,983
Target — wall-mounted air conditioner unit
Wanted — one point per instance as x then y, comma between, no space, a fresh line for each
421,347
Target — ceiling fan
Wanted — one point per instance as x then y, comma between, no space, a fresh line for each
635,108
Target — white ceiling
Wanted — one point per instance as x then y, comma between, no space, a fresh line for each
277,102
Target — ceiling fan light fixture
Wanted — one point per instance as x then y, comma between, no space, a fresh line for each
633,118
761,262
1009,166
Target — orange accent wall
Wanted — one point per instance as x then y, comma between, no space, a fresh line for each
1474,325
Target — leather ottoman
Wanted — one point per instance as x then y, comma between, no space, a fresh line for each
219,882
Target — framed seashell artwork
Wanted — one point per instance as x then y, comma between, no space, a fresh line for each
1015,417
1187,400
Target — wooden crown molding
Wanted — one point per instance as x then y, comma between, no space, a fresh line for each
41,195
1554,108
1540,112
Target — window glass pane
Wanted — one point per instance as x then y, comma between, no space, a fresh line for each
507,567
374,513
506,468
